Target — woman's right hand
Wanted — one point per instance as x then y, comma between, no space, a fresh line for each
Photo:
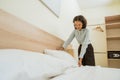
60,48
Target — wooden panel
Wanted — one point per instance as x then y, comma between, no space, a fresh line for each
70,51
112,19
113,45
113,25
113,38
18,34
114,63
115,32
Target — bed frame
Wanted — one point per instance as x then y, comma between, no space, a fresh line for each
18,34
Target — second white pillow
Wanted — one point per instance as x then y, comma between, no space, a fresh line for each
62,55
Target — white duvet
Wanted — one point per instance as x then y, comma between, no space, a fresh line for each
26,65
89,73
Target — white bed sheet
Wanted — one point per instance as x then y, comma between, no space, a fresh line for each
89,73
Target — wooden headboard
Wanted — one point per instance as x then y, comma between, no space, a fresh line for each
18,34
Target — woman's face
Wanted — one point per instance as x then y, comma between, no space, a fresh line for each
78,25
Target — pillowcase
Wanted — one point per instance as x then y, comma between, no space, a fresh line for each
62,55
42,65
34,65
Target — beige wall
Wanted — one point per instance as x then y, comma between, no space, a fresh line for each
97,16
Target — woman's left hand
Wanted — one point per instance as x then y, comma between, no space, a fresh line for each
80,62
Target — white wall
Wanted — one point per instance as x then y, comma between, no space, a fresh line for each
34,12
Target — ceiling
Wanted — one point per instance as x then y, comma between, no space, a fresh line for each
86,4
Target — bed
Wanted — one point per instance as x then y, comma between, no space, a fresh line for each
28,53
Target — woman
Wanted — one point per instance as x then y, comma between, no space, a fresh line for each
85,49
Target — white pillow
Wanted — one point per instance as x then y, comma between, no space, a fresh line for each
38,65
62,55
35,65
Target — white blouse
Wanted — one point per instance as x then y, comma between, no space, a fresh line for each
82,36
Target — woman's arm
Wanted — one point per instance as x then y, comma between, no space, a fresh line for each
68,41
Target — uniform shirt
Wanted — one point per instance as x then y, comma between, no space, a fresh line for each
82,36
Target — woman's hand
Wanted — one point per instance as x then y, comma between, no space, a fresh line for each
60,48
80,62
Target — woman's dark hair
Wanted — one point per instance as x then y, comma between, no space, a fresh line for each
82,19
